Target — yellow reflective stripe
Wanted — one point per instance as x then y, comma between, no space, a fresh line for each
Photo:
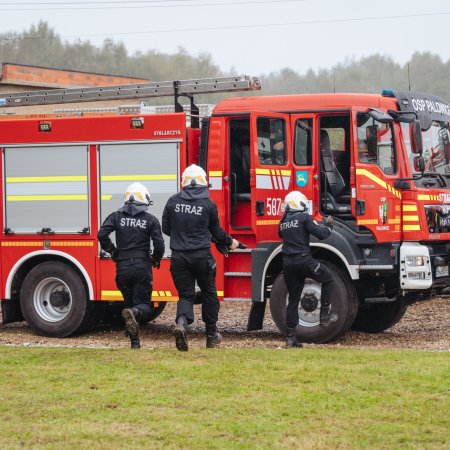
36,198
219,293
45,198
46,179
373,177
52,244
267,222
156,295
367,221
411,227
286,173
379,181
410,218
395,221
22,244
409,208
138,177
423,197
215,173
260,171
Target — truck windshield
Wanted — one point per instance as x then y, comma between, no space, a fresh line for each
436,147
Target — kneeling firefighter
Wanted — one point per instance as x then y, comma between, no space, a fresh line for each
295,229
191,219
134,227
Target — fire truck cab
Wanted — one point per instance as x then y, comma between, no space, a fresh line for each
379,164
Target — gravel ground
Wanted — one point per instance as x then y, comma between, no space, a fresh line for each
425,326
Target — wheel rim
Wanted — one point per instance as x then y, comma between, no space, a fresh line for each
309,312
52,299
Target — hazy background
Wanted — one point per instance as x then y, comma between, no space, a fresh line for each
294,45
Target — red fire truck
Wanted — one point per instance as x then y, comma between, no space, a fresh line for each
379,164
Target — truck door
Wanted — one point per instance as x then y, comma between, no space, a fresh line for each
271,171
377,202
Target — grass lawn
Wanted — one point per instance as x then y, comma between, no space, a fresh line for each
224,398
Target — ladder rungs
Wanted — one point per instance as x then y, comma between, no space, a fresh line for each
142,90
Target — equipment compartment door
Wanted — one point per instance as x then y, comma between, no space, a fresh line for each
271,171
155,165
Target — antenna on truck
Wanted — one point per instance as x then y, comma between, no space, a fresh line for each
180,88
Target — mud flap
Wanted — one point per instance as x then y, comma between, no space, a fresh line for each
11,312
256,316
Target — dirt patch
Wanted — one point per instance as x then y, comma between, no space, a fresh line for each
425,326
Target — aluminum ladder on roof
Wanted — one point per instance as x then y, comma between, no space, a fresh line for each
141,90
179,88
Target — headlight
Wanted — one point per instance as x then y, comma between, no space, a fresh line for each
415,261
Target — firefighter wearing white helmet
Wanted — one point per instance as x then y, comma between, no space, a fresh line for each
193,176
295,229
134,227
191,220
137,193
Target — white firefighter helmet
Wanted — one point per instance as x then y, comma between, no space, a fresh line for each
138,193
194,176
296,201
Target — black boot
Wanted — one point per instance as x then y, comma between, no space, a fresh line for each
291,339
131,327
326,316
213,337
135,342
180,332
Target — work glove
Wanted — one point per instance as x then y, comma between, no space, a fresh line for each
113,252
329,222
155,262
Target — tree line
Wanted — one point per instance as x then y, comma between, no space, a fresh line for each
41,46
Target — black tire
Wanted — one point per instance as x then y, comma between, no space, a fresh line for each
378,317
344,303
53,300
157,311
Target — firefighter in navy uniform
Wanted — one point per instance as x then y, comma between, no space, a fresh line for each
191,219
295,229
134,227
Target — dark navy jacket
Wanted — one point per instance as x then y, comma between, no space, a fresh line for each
295,229
134,227
190,218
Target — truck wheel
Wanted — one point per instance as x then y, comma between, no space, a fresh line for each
157,311
344,303
375,318
53,299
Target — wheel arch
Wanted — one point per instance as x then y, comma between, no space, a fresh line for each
274,263
27,262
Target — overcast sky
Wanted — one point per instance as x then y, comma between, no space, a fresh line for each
254,37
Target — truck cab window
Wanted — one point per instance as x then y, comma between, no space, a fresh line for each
303,142
376,144
334,145
436,148
271,141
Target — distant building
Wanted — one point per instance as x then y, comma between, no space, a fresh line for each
18,77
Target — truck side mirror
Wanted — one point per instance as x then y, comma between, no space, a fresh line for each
416,137
372,140
419,164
